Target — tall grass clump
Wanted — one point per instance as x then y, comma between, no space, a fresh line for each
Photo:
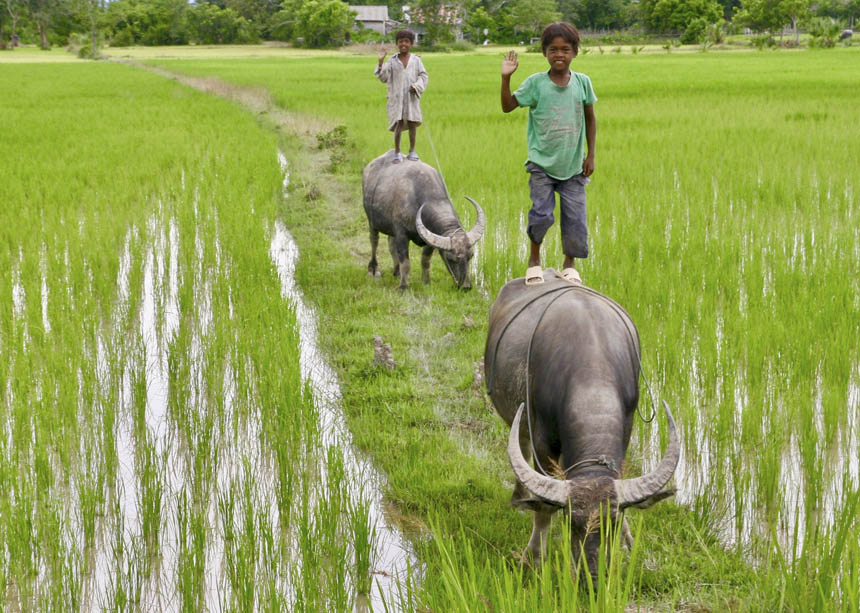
469,578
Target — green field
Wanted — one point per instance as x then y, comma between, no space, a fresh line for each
152,458
723,216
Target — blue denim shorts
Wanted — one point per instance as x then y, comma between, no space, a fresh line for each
542,189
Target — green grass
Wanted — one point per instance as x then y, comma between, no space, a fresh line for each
722,216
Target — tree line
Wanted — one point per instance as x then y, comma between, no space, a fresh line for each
331,23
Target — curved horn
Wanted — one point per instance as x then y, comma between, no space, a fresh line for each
478,229
633,491
547,488
434,240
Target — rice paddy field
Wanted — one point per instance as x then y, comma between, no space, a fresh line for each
161,449
164,448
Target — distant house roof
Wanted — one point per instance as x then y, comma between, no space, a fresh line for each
370,13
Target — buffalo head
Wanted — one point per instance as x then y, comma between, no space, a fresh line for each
584,498
455,248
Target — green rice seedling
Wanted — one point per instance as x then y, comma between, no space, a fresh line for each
192,551
150,499
362,537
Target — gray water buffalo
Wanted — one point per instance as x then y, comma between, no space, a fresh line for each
408,202
562,369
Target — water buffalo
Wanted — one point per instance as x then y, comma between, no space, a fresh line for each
570,356
408,202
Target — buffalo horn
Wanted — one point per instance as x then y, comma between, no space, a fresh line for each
442,243
633,491
478,229
547,488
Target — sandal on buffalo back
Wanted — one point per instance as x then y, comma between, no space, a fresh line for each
534,275
413,157
397,158
570,274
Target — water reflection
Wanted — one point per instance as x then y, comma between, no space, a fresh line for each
393,557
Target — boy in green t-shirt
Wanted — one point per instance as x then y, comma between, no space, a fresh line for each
561,127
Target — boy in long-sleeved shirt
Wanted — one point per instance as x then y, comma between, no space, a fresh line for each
407,79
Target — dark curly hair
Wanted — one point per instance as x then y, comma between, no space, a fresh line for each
562,29
405,34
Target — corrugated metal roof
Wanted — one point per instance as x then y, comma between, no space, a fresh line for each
370,13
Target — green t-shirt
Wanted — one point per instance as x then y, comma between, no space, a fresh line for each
556,130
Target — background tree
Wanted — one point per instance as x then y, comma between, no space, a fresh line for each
324,23
92,13
597,14
14,9
771,16
282,24
530,17
676,15
846,10
477,22
257,13
43,12
210,25
149,22
729,8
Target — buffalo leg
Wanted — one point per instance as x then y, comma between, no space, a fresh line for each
392,249
372,266
540,532
626,536
401,247
426,254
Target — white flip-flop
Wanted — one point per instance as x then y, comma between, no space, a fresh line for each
534,275
570,274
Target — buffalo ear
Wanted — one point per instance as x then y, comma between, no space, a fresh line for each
654,499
